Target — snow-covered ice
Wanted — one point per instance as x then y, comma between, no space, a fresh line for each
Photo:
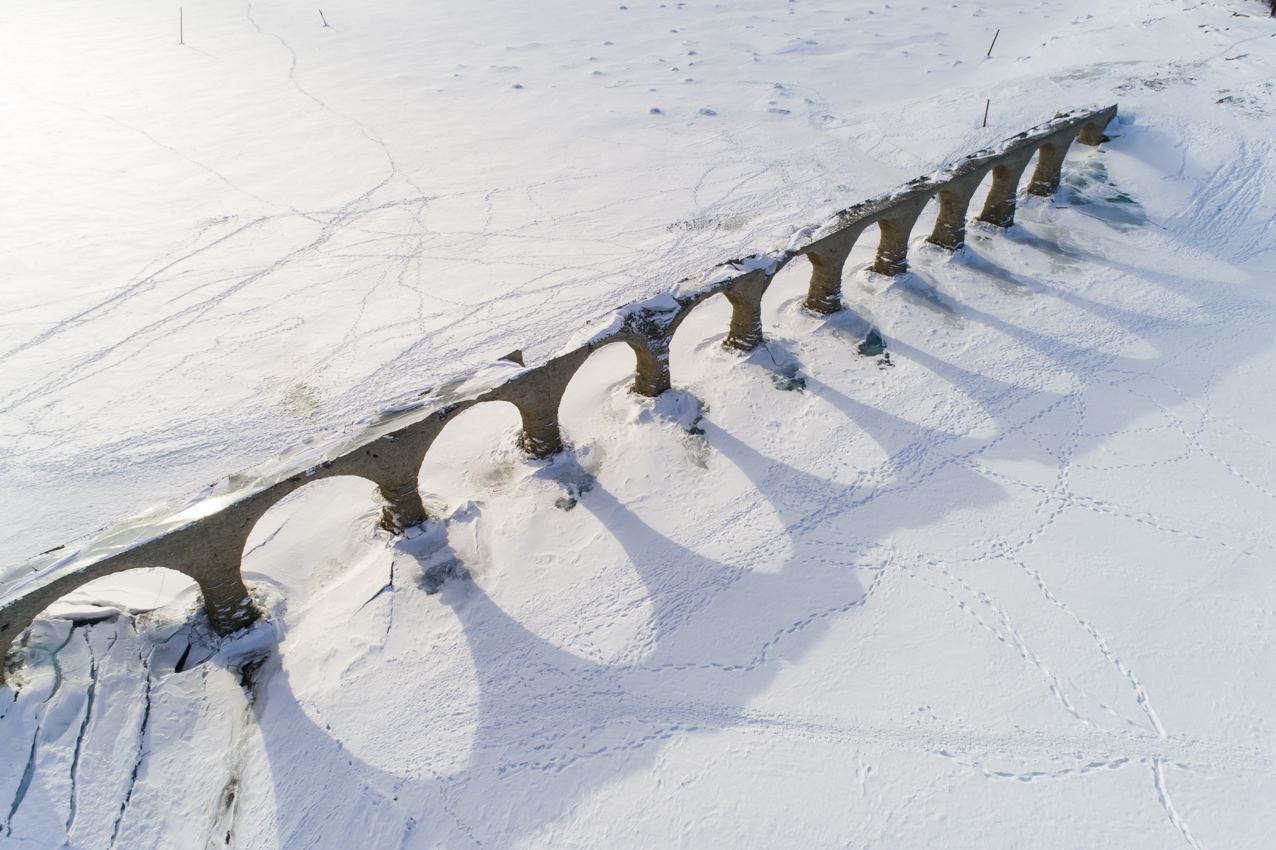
1008,583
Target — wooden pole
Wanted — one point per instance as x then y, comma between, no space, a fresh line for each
322,18
181,25
987,103
994,41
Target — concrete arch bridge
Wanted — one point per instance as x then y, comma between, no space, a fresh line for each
205,538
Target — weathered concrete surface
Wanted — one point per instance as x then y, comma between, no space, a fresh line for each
827,264
745,294
205,538
892,249
999,207
537,393
954,201
1046,176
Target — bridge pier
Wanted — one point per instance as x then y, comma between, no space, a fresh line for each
541,434
892,250
1092,133
745,295
226,599
1050,156
537,395
827,265
999,209
954,202
651,369
401,505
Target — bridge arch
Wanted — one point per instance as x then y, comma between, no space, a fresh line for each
607,368
306,529
828,259
895,226
790,284
209,551
703,322
470,452
139,589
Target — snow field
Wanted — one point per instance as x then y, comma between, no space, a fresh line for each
1010,588
221,248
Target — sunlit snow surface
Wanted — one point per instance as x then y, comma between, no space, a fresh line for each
1011,587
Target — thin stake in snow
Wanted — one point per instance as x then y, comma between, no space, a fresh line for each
987,103
322,18
181,25
994,41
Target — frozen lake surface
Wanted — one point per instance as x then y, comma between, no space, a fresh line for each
1007,583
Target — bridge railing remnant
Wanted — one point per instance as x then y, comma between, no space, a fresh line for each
204,538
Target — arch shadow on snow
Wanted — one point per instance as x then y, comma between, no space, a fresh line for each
552,727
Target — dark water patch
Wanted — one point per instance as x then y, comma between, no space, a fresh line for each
433,578
1088,189
248,668
873,344
786,378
